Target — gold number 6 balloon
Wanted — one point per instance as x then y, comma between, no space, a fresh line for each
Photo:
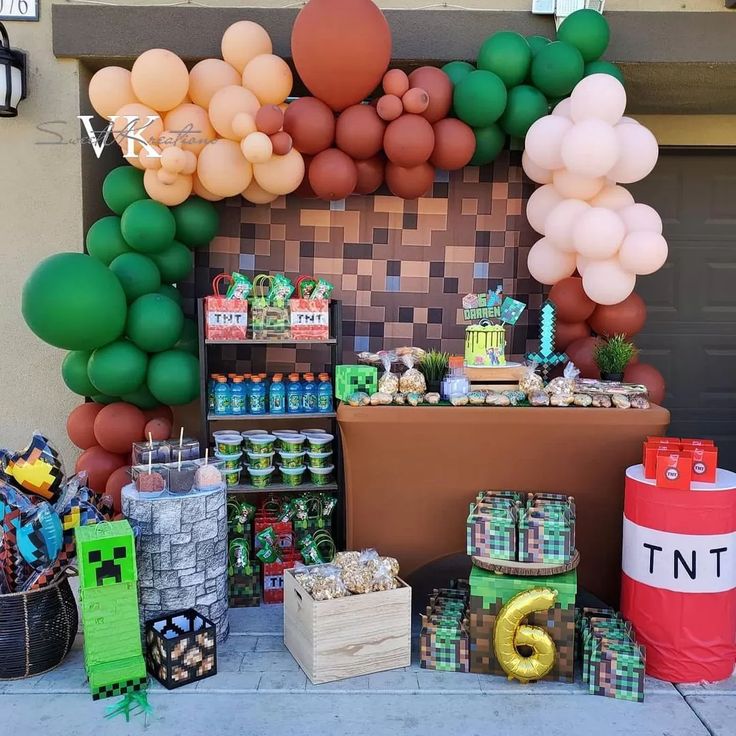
509,634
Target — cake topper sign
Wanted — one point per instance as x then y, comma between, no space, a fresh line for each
492,306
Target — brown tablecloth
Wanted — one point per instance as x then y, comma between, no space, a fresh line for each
411,473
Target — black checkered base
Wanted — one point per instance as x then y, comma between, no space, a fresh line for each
119,688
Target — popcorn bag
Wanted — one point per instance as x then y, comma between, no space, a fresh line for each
226,317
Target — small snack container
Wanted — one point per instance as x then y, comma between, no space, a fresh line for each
229,444
321,476
292,476
232,476
257,460
261,444
150,479
320,442
181,477
187,449
319,459
293,442
247,434
230,460
283,432
150,452
260,477
291,459
313,431
209,474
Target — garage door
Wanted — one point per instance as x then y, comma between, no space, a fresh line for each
690,333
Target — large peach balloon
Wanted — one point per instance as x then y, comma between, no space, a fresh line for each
370,174
281,174
543,142
228,102
311,125
643,252
123,129
573,304
333,175
577,186
243,41
561,221
160,79
439,88
581,352
118,426
359,131
409,140
269,78
99,464
257,148
222,168
598,233
454,144
606,282
599,97
638,153
548,265
193,124
641,217
540,205
201,191
173,159
590,148
614,197
650,377
148,160
409,182
80,424
257,195
341,49
534,172
625,318
169,194
207,77
562,109
568,332
110,89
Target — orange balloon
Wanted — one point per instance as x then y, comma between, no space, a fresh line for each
415,101
115,484
222,168
395,82
200,190
191,123
269,78
148,161
207,77
439,88
118,426
158,429
80,424
359,131
243,41
243,125
370,174
281,143
257,148
139,125
333,175
409,140
160,79
190,163
269,119
228,102
389,107
280,174
257,195
169,194
409,182
173,159
99,465
165,177
110,89
454,144
311,125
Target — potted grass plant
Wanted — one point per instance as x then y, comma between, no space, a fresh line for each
612,356
433,365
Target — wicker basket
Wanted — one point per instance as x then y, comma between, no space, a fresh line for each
37,630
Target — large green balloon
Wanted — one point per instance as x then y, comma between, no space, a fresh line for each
189,337
105,241
604,67
536,43
587,30
506,54
142,398
197,222
154,323
73,301
525,106
557,68
74,373
457,70
172,293
104,399
117,368
148,226
489,143
173,377
138,274
480,98
175,263
122,187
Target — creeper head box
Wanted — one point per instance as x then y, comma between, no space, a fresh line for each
106,554
352,378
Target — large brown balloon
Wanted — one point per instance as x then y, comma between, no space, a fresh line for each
341,49
115,484
80,425
409,183
359,131
573,304
305,188
118,426
99,465
409,140
332,175
580,352
625,318
454,144
370,174
650,377
311,125
439,88
568,332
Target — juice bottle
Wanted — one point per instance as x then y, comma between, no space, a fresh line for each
257,398
294,395
211,392
237,396
222,396
277,396
309,395
324,394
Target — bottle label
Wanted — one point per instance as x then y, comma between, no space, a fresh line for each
277,403
222,404
323,403
237,404
257,404
294,403
310,402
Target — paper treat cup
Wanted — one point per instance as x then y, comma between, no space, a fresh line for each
257,460
292,476
260,477
319,459
292,459
320,442
321,476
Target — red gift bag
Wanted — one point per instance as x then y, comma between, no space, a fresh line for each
273,576
225,319
309,319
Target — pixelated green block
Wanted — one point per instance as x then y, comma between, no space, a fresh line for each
352,378
105,554
111,679
491,586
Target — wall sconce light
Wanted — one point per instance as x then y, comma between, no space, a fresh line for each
12,76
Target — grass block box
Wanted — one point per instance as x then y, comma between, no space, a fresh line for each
489,592
491,532
444,640
346,637
245,586
352,378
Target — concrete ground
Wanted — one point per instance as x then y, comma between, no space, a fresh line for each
260,689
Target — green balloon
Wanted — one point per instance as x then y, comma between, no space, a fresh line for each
189,337
74,372
117,368
457,70
197,222
142,398
525,106
154,323
173,377
122,187
175,263
138,275
105,241
557,68
480,98
536,43
489,143
74,302
104,399
148,226
604,67
171,292
506,54
587,30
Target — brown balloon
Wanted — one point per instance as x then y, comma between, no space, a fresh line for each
80,424
409,183
159,411
99,465
389,107
625,318
395,82
409,140
580,352
573,304
311,125
341,49
281,143
158,428
115,484
439,88
568,332
415,101
359,131
649,376
370,174
333,175
305,188
269,119
454,144
118,426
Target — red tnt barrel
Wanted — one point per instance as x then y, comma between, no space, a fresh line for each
679,576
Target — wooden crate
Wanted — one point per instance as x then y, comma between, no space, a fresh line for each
346,637
502,378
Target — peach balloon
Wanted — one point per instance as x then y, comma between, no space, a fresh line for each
598,233
547,264
415,101
139,126
638,153
243,125
200,191
269,78
577,186
207,77
389,107
223,169
606,282
560,223
243,41
281,174
191,123
643,252
228,102
534,172
641,217
190,163
543,141
135,162
110,89
628,121
166,177
395,82
160,79
540,204
598,96
614,197
590,148
173,159
257,148
147,160
168,194
257,195
562,108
